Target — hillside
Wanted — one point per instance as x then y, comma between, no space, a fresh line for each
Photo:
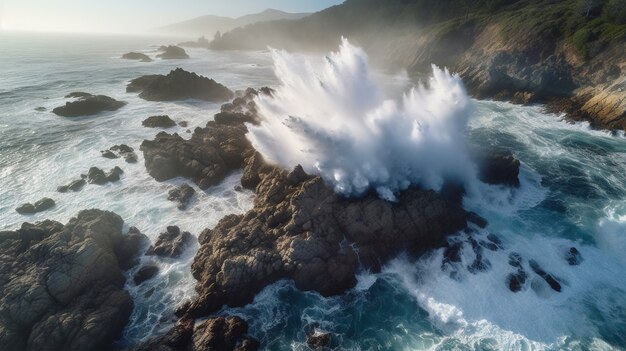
570,54
209,24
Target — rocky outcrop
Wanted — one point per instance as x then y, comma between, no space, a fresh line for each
172,52
210,154
87,104
99,177
202,42
300,229
213,334
39,206
137,56
497,167
62,287
75,185
122,150
158,122
145,272
179,85
182,195
171,243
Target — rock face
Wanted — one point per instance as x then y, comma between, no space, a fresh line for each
182,195
179,85
214,334
87,104
137,56
211,152
39,206
146,272
61,287
300,229
171,243
172,52
158,122
499,168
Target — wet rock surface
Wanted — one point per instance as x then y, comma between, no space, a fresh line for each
87,104
158,122
182,195
179,85
145,272
75,185
171,243
122,150
172,52
97,176
300,229
39,206
499,167
61,286
211,153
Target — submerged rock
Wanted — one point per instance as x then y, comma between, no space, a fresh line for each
178,85
172,52
158,122
146,272
182,195
61,287
87,104
573,256
171,243
300,229
549,278
39,206
137,56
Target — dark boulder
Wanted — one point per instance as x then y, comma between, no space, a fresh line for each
158,122
87,104
499,168
179,85
573,256
171,243
39,206
75,185
137,56
172,52
61,287
125,151
109,154
549,278
146,272
182,195
99,177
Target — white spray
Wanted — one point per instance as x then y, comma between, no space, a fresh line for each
336,123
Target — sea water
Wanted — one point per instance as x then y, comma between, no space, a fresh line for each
572,194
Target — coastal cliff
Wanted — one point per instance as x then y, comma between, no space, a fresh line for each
567,54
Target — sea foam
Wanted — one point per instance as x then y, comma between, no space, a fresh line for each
335,122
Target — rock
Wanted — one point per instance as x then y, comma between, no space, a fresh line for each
87,104
182,195
516,281
135,243
172,52
202,42
158,122
475,218
125,151
316,339
213,334
146,272
573,256
500,168
549,278
99,177
61,287
171,243
183,124
300,229
137,56
75,185
41,109
179,85
211,152
39,206
108,154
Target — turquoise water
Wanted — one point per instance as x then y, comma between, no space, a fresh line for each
573,194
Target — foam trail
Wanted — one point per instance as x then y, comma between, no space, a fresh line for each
335,122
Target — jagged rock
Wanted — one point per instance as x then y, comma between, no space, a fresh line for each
179,85
146,272
39,206
87,104
214,334
182,195
137,56
171,243
108,154
211,152
158,122
300,229
61,287
99,177
75,185
172,52
500,168
549,278
316,339
127,152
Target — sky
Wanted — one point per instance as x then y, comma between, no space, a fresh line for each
131,16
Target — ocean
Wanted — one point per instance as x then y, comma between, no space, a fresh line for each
572,194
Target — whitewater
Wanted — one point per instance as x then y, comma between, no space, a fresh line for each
572,194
